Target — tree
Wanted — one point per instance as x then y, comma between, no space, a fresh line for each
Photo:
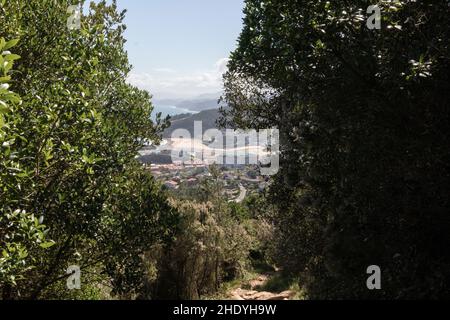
363,116
68,152
19,230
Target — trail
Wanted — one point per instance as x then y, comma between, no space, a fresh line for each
255,293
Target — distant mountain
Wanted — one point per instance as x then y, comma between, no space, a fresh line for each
200,103
180,116
186,121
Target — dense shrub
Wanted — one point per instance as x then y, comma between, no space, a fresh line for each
211,247
363,116
71,190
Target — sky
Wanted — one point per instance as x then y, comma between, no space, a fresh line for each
179,48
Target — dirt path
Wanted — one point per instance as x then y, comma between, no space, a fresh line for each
254,293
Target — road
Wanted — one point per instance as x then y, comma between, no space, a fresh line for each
241,195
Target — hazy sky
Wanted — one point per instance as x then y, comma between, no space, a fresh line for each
179,47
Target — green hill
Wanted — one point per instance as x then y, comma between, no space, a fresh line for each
186,121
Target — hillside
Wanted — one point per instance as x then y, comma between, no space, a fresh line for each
208,118
201,103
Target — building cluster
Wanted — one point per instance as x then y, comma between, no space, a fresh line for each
178,174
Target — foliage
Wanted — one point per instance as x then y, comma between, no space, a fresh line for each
363,116
68,148
19,230
210,247
214,244
95,285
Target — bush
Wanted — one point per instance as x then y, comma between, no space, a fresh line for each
211,247
363,117
71,189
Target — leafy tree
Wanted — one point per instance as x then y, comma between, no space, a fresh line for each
19,230
363,116
68,148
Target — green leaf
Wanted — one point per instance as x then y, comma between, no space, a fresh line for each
7,65
3,107
12,57
48,244
10,44
5,79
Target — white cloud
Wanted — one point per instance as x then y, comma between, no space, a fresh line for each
221,65
165,83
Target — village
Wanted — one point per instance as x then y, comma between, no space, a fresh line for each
238,181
